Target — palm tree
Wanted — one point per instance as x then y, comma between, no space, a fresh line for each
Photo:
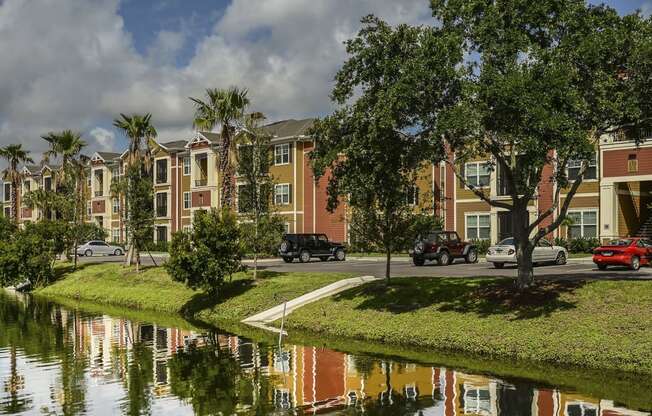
224,107
15,155
141,134
67,145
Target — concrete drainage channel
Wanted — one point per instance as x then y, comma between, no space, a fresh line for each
264,319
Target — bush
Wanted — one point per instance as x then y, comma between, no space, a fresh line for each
204,257
561,241
583,245
482,246
29,254
270,234
162,246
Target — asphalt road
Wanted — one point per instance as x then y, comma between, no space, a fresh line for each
403,267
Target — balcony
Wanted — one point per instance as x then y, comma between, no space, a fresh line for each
201,182
98,193
639,135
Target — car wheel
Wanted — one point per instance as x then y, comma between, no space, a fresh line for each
561,259
88,253
499,265
444,258
471,256
288,259
635,264
304,257
418,261
117,252
340,255
602,266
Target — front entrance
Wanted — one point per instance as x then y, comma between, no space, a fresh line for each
504,225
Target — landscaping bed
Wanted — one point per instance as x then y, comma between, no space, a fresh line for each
154,290
595,324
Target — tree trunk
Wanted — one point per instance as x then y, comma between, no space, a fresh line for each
388,263
255,245
225,168
524,248
14,202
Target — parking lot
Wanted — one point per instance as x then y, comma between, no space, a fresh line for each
576,268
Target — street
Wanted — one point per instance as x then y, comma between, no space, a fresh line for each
402,266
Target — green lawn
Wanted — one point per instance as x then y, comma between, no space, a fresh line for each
153,290
599,324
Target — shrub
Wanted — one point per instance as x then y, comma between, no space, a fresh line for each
561,241
29,254
482,246
583,245
270,234
204,257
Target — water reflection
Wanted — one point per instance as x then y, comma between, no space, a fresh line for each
58,361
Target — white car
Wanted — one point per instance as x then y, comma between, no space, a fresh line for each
99,248
544,252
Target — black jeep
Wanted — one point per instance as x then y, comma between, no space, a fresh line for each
306,246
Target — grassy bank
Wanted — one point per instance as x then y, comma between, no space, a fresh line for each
154,290
596,324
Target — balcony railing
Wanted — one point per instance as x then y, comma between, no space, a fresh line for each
626,136
99,193
201,182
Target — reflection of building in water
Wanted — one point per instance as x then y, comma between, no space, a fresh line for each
319,380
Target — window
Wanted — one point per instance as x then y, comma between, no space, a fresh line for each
99,183
581,409
115,235
27,185
115,172
116,205
161,234
7,212
7,192
187,228
186,200
413,195
47,183
162,204
478,227
282,194
477,174
244,199
89,209
161,171
575,166
186,165
583,224
282,154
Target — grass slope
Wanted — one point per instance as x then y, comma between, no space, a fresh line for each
598,324
154,290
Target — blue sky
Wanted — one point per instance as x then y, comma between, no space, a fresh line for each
79,63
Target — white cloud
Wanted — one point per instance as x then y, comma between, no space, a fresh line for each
72,64
104,138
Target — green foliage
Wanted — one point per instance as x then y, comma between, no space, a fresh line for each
29,255
482,245
270,233
561,242
7,228
140,200
212,251
583,245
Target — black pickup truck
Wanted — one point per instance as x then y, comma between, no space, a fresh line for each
306,246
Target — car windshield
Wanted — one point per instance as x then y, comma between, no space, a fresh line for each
623,242
507,242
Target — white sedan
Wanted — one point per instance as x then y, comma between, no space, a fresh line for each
544,252
99,248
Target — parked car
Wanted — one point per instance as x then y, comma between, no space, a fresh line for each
99,248
443,247
544,252
306,246
631,252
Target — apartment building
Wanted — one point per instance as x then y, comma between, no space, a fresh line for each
615,198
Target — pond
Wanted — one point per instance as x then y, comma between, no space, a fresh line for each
60,360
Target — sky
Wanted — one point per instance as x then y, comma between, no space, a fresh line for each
77,64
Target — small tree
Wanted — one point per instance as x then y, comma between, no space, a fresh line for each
211,252
375,145
254,195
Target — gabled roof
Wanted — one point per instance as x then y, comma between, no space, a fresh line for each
211,137
174,145
289,128
105,156
32,169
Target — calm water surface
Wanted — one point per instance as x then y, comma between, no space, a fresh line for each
55,361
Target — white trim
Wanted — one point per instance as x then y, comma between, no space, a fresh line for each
183,199
197,139
279,185
168,171
631,145
581,195
168,208
597,170
477,215
288,144
478,163
289,212
183,162
616,179
596,211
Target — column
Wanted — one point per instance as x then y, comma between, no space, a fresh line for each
608,211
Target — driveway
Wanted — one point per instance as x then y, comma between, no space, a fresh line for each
403,267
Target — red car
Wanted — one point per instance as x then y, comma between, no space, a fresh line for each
632,252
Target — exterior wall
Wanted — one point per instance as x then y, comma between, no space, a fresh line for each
464,208
615,162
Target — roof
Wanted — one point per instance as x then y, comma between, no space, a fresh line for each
212,137
175,144
290,128
33,169
108,155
